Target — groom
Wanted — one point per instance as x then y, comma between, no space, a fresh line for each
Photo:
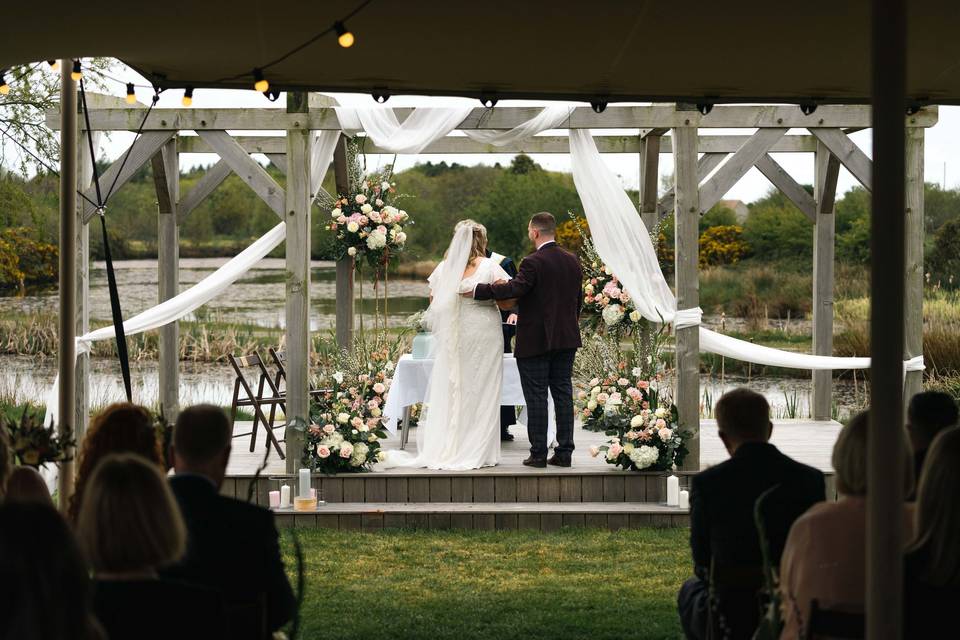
547,289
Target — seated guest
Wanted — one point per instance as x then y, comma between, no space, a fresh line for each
932,569
25,484
722,499
120,428
929,413
44,585
129,526
232,546
823,558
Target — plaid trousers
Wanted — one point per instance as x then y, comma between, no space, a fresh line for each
552,370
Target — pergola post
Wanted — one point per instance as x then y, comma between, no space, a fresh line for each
166,175
885,441
297,208
686,244
827,168
345,266
649,180
68,273
82,302
913,306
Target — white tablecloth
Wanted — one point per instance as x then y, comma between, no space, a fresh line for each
410,381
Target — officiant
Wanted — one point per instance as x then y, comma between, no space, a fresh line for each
508,413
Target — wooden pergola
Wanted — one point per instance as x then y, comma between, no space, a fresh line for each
706,167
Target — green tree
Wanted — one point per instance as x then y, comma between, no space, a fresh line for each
524,164
943,262
775,229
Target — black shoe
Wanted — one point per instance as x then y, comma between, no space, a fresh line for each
539,463
506,436
558,461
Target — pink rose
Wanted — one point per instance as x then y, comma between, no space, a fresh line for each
315,429
356,422
643,384
634,393
593,281
602,398
379,388
615,450
665,434
322,451
360,199
329,428
660,423
346,450
623,382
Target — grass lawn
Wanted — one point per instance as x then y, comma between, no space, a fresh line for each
575,583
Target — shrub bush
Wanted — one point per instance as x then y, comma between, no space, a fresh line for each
722,245
24,260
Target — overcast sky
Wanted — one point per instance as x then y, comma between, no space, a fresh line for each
942,156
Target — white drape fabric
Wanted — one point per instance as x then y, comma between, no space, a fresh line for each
421,127
550,118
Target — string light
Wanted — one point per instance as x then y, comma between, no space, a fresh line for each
4,87
77,72
259,82
344,36
131,94
489,103
808,108
704,107
380,97
54,65
187,97
599,106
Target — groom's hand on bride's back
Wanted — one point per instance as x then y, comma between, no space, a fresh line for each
469,294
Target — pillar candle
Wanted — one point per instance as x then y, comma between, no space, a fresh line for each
285,495
274,499
673,491
684,499
304,483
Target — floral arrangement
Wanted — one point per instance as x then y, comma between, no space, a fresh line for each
34,444
347,420
642,425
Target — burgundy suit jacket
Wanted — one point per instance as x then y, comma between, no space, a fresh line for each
547,289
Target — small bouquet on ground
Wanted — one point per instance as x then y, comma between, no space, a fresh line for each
347,420
34,444
642,424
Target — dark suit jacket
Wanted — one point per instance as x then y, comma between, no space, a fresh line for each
722,500
161,609
509,330
232,546
547,289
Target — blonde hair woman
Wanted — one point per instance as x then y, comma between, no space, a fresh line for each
129,526
932,567
823,559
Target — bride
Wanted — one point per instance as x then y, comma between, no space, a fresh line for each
460,424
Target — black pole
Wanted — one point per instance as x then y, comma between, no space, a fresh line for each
887,269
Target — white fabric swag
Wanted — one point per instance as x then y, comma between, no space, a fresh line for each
621,239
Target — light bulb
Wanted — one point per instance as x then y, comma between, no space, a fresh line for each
54,65
344,36
259,82
131,95
77,72
187,97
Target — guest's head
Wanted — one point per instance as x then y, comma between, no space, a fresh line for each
478,249
45,591
929,413
850,458
542,228
201,442
26,485
938,510
129,522
742,416
120,428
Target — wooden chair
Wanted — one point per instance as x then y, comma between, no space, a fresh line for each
257,400
736,600
830,623
280,380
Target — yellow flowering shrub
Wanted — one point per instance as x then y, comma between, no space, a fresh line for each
722,245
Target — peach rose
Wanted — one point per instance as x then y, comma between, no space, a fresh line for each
322,451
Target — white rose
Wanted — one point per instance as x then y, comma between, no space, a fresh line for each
343,418
384,185
366,208
376,412
607,270
589,289
352,251
636,422
338,376
637,372
336,213
401,237
595,391
660,412
353,227
634,316
665,434
592,405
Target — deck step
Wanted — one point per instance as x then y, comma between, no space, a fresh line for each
544,516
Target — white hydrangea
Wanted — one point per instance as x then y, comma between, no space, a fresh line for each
636,422
376,240
644,456
613,314
359,455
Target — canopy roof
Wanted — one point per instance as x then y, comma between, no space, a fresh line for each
660,50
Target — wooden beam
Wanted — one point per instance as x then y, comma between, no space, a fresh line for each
686,240
855,160
453,145
649,180
247,168
788,186
914,235
166,178
82,304
141,151
826,170
615,117
297,217
707,163
279,160
737,166
206,185
345,266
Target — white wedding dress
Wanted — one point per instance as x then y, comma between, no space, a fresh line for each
460,425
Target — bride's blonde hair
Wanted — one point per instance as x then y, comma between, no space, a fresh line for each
478,249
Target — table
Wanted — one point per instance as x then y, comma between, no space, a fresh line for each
409,387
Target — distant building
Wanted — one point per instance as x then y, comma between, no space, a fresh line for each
738,207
